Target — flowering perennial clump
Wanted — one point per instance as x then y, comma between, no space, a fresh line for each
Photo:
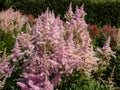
5,70
53,48
106,53
11,20
82,41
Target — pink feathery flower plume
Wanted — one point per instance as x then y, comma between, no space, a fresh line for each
79,38
48,55
12,20
53,48
5,69
106,49
69,15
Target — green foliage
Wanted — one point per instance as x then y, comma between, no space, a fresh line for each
79,81
98,41
11,82
98,12
6,41
115,62
4,4
36,7
103,13
111,75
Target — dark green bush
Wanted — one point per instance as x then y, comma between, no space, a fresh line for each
36,7
103,13
99,13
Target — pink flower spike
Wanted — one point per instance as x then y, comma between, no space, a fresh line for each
70,8
22,85
107,42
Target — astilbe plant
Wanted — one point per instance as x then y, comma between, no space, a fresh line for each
11,20
48,54
100,34
105,54
5,69
45,54
53,48
107,32
106,49
77,29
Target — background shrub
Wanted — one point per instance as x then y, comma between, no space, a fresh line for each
99,12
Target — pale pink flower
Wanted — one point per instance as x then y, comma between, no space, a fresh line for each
106,49
12,20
